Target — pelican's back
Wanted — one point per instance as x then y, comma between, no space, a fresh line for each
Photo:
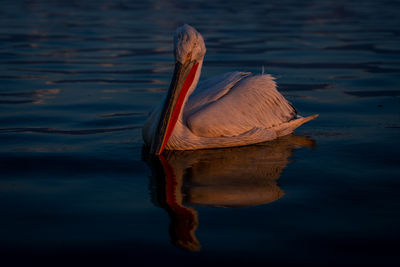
252,102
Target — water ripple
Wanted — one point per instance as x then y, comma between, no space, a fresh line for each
379,93
302,87
123,114
364,47
106,81
46,130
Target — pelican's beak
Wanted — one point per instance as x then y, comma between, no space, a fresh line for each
182,80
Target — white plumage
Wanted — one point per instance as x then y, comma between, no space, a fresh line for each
231,109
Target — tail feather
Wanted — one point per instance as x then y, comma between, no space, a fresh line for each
290,126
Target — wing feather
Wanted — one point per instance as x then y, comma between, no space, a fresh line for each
252,102
212,89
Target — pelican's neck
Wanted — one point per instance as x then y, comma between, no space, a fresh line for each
191,88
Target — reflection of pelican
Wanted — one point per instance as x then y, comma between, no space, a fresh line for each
229,177
233,109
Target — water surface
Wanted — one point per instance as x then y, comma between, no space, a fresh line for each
78,78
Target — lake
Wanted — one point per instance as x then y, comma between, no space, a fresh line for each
77,187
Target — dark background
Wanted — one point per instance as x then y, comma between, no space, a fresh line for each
77,79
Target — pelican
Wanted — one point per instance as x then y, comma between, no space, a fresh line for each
232,109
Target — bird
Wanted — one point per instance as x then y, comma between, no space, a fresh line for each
228,110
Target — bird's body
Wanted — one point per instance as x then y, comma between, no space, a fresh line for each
232,109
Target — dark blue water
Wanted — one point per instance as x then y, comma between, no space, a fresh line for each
78,77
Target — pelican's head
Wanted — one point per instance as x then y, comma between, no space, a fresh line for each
189,50
188,44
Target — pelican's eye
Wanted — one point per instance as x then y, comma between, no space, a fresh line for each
189,56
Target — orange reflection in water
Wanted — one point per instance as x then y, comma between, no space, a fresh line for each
229,177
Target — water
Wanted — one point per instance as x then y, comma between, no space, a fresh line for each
78,77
